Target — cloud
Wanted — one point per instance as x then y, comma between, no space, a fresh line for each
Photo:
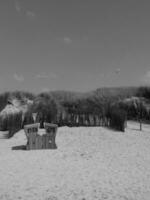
44,75
102,75
53,75
117,71
146,78
30,14
67,40
19,78
85,38
20,9
17,6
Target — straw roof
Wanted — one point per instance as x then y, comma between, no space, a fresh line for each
15,106
8,110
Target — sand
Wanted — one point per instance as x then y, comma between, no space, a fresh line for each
92,163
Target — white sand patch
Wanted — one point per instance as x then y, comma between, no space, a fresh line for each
90,163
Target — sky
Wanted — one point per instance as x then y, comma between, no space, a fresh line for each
75,45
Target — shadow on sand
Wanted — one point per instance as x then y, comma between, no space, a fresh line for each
135,129
21,147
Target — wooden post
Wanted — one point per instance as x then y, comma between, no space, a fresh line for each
140,125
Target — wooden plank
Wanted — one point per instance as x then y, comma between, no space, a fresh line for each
50,125
51,130
30,142
44,141
31,131
49,141
40,142
34,140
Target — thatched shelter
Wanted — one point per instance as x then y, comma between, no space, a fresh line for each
12,115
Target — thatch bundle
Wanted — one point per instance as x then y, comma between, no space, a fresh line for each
10,119
12,116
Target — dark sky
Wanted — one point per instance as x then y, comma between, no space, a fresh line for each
73,44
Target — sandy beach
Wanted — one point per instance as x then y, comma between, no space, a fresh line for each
92,163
